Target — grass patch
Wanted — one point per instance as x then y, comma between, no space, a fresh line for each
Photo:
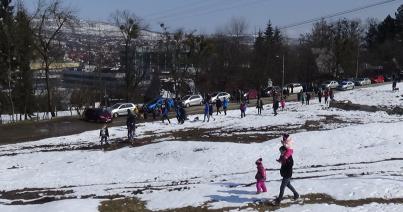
122,205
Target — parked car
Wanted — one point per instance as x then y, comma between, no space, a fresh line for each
296,87
192,100
330,84
362,81
377,79
120,109
157,103
97,114
220,95
270,90
251,94
346,85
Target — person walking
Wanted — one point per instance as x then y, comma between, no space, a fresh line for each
165,112
218,105
331,94
308,97
394,85
131,125
104,134
206,111
211,110
275,106
242,107
286,174
259,106
326,95
260,177
282,103
320,95
225,105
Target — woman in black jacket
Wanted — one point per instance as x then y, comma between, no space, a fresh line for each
286,173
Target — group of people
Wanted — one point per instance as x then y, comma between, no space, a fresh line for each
326,94
209,107
287,163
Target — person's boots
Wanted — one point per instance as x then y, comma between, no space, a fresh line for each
296,196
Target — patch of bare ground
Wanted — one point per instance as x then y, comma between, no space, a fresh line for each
34,195
320,198
254,135
122,205
133,204
348,105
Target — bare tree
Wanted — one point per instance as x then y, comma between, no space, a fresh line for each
48,20
130,26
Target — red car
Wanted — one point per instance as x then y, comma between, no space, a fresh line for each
97,115
378,79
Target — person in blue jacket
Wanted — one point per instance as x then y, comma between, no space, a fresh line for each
206,111
225,105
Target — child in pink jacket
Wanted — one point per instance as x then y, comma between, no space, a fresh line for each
260,177
282,103
287,142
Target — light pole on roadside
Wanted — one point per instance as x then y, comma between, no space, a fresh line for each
282,78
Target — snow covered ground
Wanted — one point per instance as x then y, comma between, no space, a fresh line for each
377,95
344,161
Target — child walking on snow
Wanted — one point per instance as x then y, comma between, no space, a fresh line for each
260,177
104,134
282,103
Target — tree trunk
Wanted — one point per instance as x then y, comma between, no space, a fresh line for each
50,108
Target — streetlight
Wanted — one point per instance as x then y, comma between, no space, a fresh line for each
282,78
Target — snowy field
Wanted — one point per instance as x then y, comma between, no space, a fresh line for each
344,161
377,95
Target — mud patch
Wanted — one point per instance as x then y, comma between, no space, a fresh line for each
34,196
348,105
125,204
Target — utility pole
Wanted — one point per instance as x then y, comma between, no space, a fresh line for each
282,80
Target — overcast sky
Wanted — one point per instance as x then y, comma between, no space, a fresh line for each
206,16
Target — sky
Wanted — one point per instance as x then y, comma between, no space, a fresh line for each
207,16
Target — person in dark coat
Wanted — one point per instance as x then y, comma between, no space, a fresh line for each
320,95
242,107
286,173
131,124
308,97
211,110
259,106
218,105
165,112
182,113
104,134
275,106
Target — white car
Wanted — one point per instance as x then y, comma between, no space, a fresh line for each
330,84
120,109
296,87
362,81
192,100
346,85
220,95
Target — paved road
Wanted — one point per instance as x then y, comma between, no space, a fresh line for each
21,132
